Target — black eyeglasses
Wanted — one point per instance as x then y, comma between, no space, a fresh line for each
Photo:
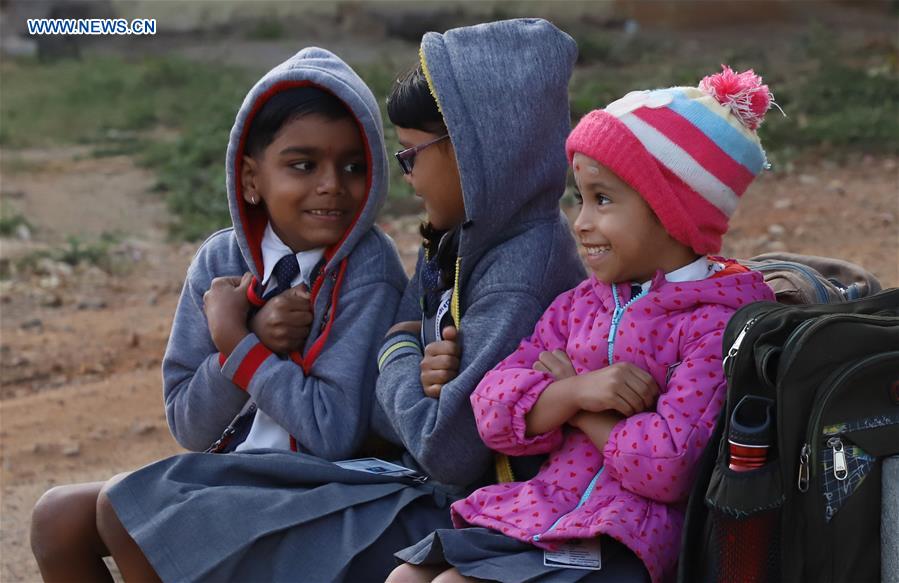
406,157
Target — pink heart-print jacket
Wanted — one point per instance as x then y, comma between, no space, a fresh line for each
635,489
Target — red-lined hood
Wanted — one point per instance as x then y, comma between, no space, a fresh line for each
319,68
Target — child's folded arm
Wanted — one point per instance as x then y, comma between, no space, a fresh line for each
441,433
654,453
502,421
504,401
328,410
200,401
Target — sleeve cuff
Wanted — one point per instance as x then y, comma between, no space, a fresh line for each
396,345
245,360
519,424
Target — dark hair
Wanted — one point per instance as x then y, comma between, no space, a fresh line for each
286,106
412,106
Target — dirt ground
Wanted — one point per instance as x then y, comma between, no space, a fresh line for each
80,391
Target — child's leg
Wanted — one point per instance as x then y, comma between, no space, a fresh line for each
128,556
64,537
454,576
407,573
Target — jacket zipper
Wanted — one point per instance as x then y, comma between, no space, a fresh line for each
617,315
584,497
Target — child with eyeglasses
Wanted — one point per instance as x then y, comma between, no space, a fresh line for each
484,149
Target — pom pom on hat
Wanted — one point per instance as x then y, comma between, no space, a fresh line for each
743,93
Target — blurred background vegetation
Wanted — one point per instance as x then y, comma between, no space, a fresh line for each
172,109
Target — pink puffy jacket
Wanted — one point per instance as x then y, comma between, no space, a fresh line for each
633,490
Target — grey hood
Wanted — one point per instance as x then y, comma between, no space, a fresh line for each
508,178
322,69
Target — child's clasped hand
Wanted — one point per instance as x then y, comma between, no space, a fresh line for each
283,323
440,364
226,307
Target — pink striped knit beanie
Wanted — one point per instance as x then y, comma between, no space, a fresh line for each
690,152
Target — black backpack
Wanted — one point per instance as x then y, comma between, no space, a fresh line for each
815,389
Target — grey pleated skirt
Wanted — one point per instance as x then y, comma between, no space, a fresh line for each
273,516
487,554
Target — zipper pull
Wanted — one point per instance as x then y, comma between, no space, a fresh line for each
802,483
735,347
840,471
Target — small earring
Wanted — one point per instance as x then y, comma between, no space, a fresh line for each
252,200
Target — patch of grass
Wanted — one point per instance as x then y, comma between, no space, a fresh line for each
14,163
594,48
842,103
75,252
74,101
616,46
267,29
11,220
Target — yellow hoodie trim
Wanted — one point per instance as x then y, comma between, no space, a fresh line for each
454,303
503,468
427,72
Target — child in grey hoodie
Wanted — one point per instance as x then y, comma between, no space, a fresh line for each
273,339
497,251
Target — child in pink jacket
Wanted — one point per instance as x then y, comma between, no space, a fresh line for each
621,381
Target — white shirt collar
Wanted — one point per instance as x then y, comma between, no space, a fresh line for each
695,271
274,249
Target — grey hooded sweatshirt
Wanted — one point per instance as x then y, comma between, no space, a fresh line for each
502,88
322,397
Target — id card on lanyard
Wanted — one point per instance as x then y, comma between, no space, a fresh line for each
445,303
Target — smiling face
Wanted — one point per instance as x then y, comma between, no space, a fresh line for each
311,179
623,239
435,178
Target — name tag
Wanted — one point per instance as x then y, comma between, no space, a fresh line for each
575,554
373,465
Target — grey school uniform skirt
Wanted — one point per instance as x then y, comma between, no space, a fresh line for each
273,516
490,555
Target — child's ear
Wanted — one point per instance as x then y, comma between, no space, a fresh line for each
248,172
